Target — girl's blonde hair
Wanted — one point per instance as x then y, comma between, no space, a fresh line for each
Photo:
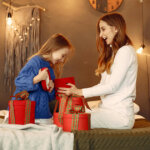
54,43
107,53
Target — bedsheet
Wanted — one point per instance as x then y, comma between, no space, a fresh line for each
34,137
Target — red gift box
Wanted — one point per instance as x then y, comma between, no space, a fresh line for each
71,107
74,101
45,83
21,111
56,119
62,82
76,121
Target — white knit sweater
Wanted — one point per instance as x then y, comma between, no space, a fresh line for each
120,85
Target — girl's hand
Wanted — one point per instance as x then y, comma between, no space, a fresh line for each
42,75
51,85
70,91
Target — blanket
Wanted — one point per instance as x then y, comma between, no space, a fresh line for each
34,137
137,138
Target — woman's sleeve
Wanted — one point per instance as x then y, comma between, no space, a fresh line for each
122,62
24,80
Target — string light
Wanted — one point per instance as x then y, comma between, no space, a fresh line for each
140,50
14,27
9,19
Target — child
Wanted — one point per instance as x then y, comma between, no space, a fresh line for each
52,55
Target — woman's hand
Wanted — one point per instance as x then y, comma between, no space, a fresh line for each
42,75
51,85
70,91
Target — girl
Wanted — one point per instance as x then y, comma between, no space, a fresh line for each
117,66
52,55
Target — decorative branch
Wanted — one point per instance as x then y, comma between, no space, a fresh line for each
16,8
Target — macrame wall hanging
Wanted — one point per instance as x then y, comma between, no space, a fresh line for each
22,40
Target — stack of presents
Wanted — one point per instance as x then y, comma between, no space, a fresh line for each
70,116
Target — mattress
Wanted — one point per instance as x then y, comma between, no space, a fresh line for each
137,138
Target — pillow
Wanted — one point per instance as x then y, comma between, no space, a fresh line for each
3,116
136,108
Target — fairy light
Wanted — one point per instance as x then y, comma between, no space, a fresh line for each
140,50
14,26
25,33
9,18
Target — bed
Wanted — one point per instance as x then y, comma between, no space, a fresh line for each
35,137
137,138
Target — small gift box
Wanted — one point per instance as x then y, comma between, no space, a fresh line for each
76,121
71,114
45,83
21,111
62,82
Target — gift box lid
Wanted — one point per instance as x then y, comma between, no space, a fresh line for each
21,102
62,82
45,83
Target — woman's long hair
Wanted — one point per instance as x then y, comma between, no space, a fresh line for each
106,52
54,43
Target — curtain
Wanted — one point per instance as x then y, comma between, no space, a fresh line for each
22,40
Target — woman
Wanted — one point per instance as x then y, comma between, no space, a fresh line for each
52,55
117,66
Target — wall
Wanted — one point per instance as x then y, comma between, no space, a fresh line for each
3,91
77,20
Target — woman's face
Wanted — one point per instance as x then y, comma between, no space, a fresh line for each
107,32
59,55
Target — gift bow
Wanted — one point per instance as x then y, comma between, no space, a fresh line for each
24,96
67,107
77,109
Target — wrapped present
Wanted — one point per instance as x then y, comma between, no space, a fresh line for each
72,109
62,82
45,83
76,121
57,116
21,111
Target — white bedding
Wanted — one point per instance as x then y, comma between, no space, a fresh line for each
34,137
